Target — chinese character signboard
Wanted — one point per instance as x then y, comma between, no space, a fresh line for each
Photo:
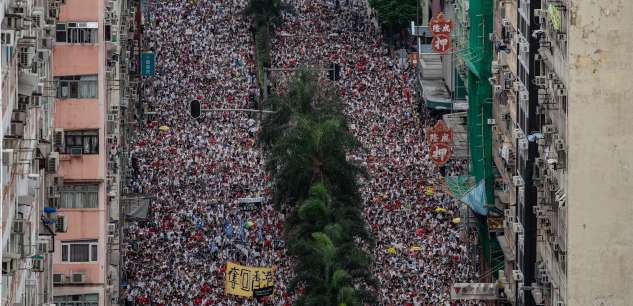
441,43
440,25
439,139
243,280
441,29
148,63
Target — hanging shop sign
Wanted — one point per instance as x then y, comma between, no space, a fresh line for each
244,280
440,139
439,133
441,43
440,25
441,29
440,153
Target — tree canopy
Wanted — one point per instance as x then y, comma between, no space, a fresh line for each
307,142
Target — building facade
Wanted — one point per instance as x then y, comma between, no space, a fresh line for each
28,165
558,142
89,69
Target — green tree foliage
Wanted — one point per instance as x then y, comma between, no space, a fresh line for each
307,142
394,15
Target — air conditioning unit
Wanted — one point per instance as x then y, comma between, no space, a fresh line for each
549,129
59,278
517,275
540,13
78,278
111,229
17,129
517,181
561,92
540,81
524,95
9,266
540,211
61,224
559,145
516,86
509,218
524,48
523,144
18,226
14,22
58,140
498,89
76,151
37,265
506,22
52,164
491,121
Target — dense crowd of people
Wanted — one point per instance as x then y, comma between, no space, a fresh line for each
197,170
419,252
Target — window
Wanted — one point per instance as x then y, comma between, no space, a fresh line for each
80,196
79,251
76,32
77,87
87,141
77,300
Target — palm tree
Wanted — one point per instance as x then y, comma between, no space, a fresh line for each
307,142
323,264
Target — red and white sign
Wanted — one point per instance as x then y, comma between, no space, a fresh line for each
440,153
440,25
439,138
439,133
441,29
441,43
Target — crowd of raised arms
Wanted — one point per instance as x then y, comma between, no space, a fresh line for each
196,170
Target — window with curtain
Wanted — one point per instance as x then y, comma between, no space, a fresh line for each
76,32
80,196
91,299
80,251
77,87
86,140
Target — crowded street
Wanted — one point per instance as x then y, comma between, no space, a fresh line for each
196,171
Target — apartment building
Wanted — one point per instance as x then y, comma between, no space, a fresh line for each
557,88
90,73
28,165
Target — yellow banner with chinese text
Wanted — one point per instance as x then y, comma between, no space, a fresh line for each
242,280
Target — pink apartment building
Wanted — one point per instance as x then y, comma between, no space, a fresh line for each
83,100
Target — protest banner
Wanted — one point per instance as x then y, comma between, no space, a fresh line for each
243,280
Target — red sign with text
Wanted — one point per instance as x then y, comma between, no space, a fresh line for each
439,138
441,29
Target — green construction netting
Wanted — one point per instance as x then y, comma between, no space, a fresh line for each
459,185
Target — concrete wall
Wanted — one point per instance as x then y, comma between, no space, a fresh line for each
79,10
600,130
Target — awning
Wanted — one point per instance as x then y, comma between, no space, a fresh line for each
475,198
435,94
